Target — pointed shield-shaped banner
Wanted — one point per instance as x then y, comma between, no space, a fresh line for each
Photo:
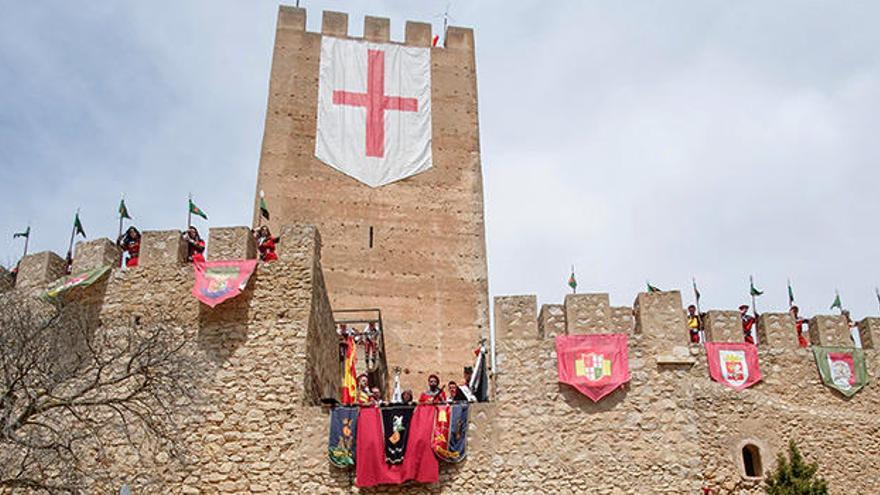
217,281
594,364
734,364
842,368
374,110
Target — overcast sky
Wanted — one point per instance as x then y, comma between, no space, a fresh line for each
635,140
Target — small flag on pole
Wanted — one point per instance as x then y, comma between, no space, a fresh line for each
572,281
435,40
195,210
264,210
78,226
26,233
752,290
123,211
790,295
836,304
696,293
651,288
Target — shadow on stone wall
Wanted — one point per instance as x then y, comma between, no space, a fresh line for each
224,328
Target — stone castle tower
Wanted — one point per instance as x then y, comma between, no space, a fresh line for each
271,352
415,249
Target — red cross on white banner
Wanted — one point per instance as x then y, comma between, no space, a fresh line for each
374,110
376,102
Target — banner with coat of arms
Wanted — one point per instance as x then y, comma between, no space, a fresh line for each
343,440
449,438
734,364
217,281
594,364
842,368
83,279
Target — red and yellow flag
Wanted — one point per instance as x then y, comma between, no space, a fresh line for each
349,379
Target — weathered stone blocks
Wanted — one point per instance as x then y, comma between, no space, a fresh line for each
334,23
660,318
418,34
777,330
622,319
377,29
298,240
231,243
515,318
459,38
587,313
293,18
37,270
94,254
830,331
723,326
551,321
162,247
868,328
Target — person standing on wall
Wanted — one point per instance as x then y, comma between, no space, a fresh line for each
748,322
195,246
130,243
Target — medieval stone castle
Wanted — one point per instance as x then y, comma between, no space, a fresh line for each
415,250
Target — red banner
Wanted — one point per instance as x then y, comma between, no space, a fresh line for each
734,364
418,464
594,364
217,281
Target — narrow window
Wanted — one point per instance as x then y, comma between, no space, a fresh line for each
371,237
752,461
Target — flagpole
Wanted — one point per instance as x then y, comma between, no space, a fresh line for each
120,219
189,212
573,289
72,234
27,239
754,303
877,291
694,279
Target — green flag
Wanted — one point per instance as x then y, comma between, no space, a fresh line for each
195,210
123,211
752,290
836,304
572,282
264,210
842,368
83,279
78,226
651,288
26,233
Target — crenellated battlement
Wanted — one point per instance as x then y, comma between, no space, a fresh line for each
376,29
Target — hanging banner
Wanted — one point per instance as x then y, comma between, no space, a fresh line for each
450,432
419,463
217,281
395,430
83,279
734,364
342,442
374,109
842,368
594,364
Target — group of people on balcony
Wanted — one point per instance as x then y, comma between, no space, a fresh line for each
130,244
749,325
434,394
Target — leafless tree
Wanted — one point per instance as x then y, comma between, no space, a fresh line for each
75,392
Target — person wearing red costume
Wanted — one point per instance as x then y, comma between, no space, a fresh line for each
364,394
195,246
434,394
130,243
748,322
799,325
266,244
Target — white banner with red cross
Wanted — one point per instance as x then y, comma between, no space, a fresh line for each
374,110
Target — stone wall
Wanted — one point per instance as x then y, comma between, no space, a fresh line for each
414,248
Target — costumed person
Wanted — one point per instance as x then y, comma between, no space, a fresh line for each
376,396
195,246
799,326
69,263
364,394
853,329
406,398
342,332
456,394
693,324
748,322
465,387
130,243
371,344
434,394
266,244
